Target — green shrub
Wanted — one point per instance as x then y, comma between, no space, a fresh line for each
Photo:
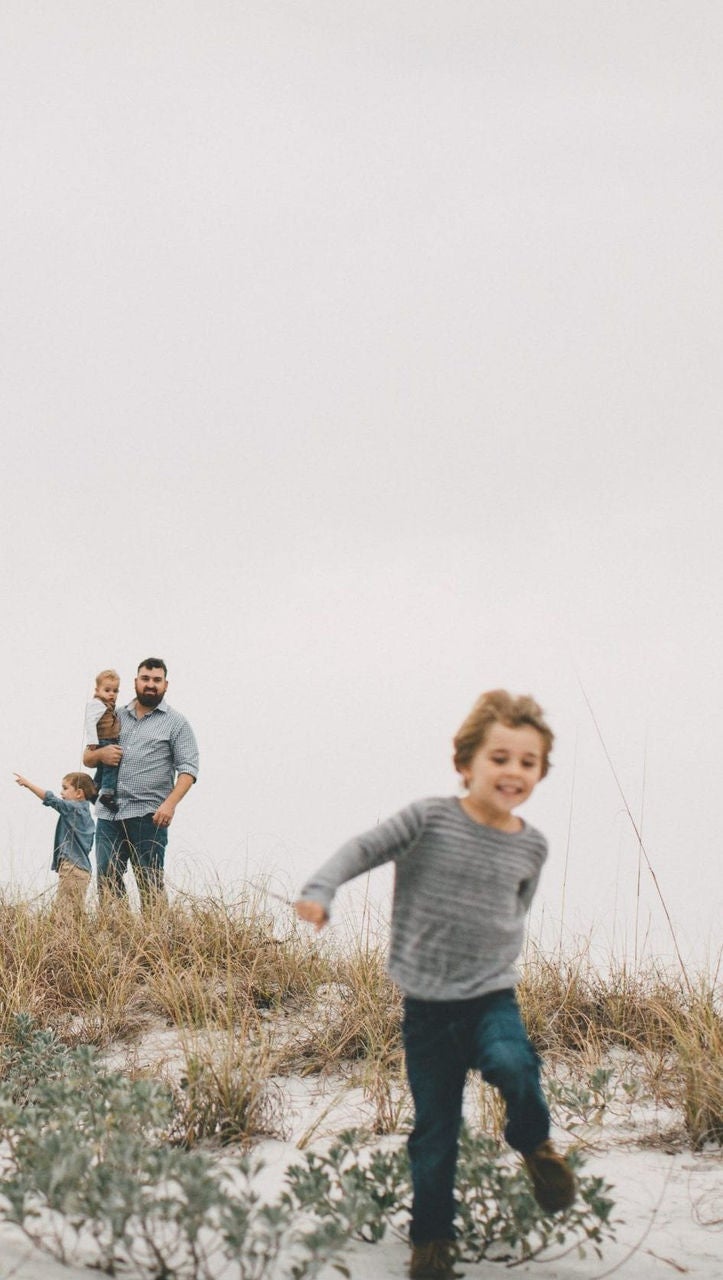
367,1195
90,1177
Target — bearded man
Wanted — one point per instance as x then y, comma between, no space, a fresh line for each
159,755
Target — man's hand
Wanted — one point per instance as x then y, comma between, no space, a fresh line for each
163,817
313,912
107,755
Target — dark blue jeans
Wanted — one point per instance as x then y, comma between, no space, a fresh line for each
106,775
135,840
443,1040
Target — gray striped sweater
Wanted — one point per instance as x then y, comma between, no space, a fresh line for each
461,895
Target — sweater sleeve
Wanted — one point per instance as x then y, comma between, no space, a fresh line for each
386,842
528,887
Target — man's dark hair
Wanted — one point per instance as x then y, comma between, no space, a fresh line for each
153,662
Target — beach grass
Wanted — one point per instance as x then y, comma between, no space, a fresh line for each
255,997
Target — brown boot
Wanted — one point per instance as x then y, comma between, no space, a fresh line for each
553,1181
433,1261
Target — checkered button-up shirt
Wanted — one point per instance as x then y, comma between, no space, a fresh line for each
156,748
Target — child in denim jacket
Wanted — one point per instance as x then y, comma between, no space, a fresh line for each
73,836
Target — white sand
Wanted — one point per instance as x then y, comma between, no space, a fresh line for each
669,1202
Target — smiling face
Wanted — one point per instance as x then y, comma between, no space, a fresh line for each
151,685
501,775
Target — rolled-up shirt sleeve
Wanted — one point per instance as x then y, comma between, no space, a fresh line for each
185,750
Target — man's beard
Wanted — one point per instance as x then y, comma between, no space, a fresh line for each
149,699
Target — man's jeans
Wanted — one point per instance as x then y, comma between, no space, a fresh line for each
442,1041
135,840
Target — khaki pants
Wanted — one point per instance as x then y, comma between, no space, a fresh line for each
72,887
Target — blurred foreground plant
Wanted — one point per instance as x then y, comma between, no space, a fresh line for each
88,1176
365,1191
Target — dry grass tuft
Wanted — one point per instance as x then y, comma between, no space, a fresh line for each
233,982
198,962
698,1036
670,1022
569,1006
224,1093
354,1019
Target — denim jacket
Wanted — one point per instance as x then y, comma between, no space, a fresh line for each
74,833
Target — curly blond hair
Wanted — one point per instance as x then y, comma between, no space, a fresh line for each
497,706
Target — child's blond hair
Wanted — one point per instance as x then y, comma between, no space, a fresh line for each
82,782
497,706
108,674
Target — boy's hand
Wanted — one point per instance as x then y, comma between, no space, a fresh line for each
25,782
313,912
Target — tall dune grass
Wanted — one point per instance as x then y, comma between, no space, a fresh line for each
254,998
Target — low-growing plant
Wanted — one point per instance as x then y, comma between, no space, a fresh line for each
364,1191
89,1176
497,1208
367,1190
579,1105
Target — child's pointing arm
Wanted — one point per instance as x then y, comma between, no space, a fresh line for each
24,782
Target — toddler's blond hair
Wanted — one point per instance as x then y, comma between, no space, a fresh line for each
108,674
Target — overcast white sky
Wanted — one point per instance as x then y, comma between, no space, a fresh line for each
357,357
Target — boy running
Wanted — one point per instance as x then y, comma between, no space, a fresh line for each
466,871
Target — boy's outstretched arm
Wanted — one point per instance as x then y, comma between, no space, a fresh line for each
24,782
313,912
388,840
